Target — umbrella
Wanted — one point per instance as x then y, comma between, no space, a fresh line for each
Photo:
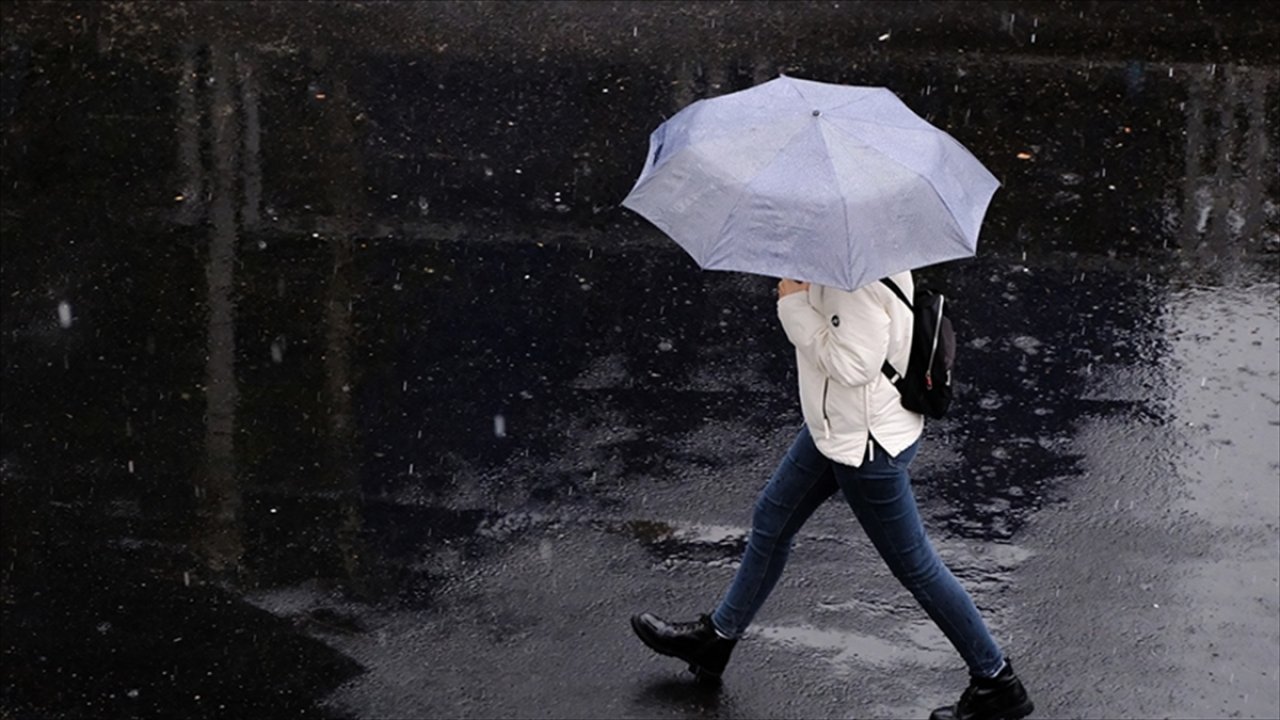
832,184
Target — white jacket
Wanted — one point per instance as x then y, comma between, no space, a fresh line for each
842,339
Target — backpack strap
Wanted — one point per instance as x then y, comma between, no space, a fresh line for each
890,373
886,368
898,291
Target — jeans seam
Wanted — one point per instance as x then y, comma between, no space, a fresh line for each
928,596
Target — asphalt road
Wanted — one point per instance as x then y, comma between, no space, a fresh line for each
336,383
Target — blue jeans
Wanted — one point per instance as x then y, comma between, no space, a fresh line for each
880,494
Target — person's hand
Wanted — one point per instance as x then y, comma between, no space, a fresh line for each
786,287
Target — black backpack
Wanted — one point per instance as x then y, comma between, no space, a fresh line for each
926,385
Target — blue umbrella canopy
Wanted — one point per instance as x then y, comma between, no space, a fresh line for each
837,185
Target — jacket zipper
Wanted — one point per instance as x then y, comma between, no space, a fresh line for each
826,421
937,330
866,409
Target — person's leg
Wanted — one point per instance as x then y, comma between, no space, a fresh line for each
880,494
802,482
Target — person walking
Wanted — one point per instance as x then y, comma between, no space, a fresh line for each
856,439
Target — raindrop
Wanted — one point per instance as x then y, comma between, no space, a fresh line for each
499,426
130,467
64,314
665,346
277,349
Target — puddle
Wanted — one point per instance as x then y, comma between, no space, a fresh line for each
919,643
711,544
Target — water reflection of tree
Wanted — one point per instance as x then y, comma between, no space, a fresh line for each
344,192
1226,172
192,195
229,531
218,529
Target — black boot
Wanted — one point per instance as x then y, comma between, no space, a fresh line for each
999,698
694,642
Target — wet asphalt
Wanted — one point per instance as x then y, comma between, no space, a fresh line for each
337,384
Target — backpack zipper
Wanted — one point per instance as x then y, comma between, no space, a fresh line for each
937,331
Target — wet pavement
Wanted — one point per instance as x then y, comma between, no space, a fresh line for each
336,383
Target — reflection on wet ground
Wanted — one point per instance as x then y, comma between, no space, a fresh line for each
336,382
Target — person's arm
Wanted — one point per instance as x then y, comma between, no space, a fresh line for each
850,350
